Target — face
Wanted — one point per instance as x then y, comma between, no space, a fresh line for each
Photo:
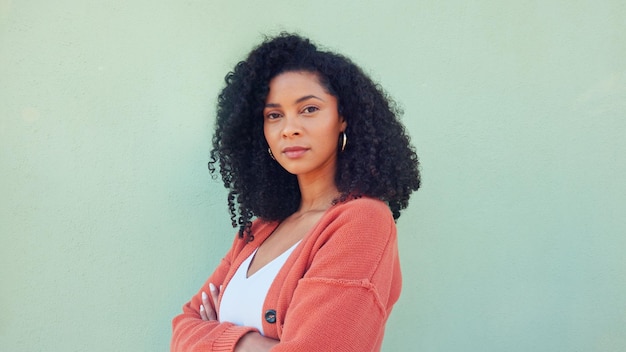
302,124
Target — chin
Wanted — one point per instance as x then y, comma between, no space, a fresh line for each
294,170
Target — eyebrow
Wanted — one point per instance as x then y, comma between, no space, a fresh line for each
299,100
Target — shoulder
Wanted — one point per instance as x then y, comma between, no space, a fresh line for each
261,227
260,230
365,209
355,237
358,219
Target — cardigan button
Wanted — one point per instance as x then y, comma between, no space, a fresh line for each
270,316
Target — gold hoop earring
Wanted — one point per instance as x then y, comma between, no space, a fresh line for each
344,141
271,155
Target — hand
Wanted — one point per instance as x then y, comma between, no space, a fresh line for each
208,308
252,341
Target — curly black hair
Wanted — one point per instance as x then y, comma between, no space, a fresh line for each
378,160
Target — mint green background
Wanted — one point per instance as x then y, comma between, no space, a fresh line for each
110,221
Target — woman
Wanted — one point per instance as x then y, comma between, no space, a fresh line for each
318,168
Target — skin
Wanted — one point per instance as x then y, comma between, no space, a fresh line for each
302,127
300,114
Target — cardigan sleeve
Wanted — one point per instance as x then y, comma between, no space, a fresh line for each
343,301
191,333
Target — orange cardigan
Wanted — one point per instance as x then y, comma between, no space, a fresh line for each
334,293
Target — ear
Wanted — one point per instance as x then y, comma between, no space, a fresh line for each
344,124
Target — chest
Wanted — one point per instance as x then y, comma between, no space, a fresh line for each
284,237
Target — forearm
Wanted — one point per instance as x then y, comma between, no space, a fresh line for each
191,333
255,342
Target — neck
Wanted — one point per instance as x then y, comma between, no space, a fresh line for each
317,194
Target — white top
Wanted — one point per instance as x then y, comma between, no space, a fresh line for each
242,301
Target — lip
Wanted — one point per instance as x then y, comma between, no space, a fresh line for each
294,152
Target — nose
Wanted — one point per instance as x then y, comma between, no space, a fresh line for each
291,126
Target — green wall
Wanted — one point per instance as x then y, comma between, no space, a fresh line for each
110,221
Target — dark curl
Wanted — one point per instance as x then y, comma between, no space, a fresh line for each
378,161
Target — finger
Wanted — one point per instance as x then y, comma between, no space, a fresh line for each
214,294
203,306
203,312
211,311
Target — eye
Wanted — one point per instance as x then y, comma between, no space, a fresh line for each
272,115
310,109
